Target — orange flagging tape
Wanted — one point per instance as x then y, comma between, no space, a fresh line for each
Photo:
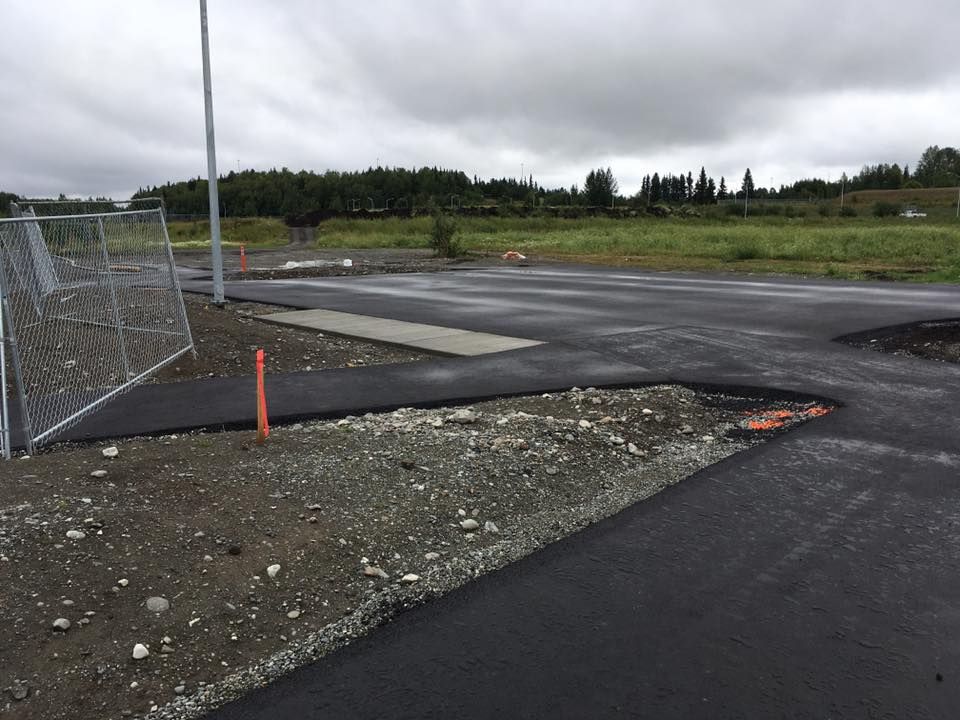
818,410
263,427
243,259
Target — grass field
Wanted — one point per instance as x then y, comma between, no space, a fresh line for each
859,247
940,202
258,232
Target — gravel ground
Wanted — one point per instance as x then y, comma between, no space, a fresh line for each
933,340
228,337
222,564
271,263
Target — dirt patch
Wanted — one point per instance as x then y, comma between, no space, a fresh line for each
933,340
281,263
270,263
228,337
363,516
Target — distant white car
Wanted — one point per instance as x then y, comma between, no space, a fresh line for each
911,212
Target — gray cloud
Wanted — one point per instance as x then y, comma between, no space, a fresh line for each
107,96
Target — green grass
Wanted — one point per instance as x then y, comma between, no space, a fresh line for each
840,247
255,232
858,247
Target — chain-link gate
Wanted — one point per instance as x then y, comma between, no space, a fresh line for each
90,305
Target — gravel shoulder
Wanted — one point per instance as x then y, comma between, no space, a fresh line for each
223,564
287,263
930,340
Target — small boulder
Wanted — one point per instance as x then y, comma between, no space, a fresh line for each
158,604
462,416
140,651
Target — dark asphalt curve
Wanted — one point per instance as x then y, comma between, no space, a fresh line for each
813,577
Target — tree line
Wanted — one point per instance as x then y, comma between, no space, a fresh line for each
284,192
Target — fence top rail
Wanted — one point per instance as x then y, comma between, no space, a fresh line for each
91,216
77,201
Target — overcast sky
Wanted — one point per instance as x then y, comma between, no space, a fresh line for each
104,96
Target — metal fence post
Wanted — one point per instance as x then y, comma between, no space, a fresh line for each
15,362
4,409
176,281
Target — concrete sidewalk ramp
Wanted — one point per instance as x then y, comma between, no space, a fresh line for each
428,338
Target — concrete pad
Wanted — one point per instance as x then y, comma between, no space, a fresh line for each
417,336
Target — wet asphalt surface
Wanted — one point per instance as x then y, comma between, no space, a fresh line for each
815,576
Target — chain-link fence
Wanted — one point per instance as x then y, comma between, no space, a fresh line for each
91,305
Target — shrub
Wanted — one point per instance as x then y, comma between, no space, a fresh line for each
443,236
733,209
885,209
660,210
847,211
823,209
744,250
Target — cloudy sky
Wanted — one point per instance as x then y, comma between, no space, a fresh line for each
104,96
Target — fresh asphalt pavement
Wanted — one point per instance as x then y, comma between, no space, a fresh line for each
813,576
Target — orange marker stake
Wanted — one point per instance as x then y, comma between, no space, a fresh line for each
263,427
243,259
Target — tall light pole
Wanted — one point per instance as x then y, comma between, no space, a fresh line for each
216,254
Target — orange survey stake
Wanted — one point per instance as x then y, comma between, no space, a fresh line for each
243,259
263,426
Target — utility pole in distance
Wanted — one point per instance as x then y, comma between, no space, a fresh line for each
217,255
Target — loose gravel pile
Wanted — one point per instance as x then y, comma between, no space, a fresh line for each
930,340
165,576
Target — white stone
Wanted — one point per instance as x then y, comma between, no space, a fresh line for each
647,411
61,624
469,524
110,452
158,604
273,570
432,556
293,614
616,440
140,651
410,578
491,527
585,424
76,534
374,571
462,417
123,582
99,474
